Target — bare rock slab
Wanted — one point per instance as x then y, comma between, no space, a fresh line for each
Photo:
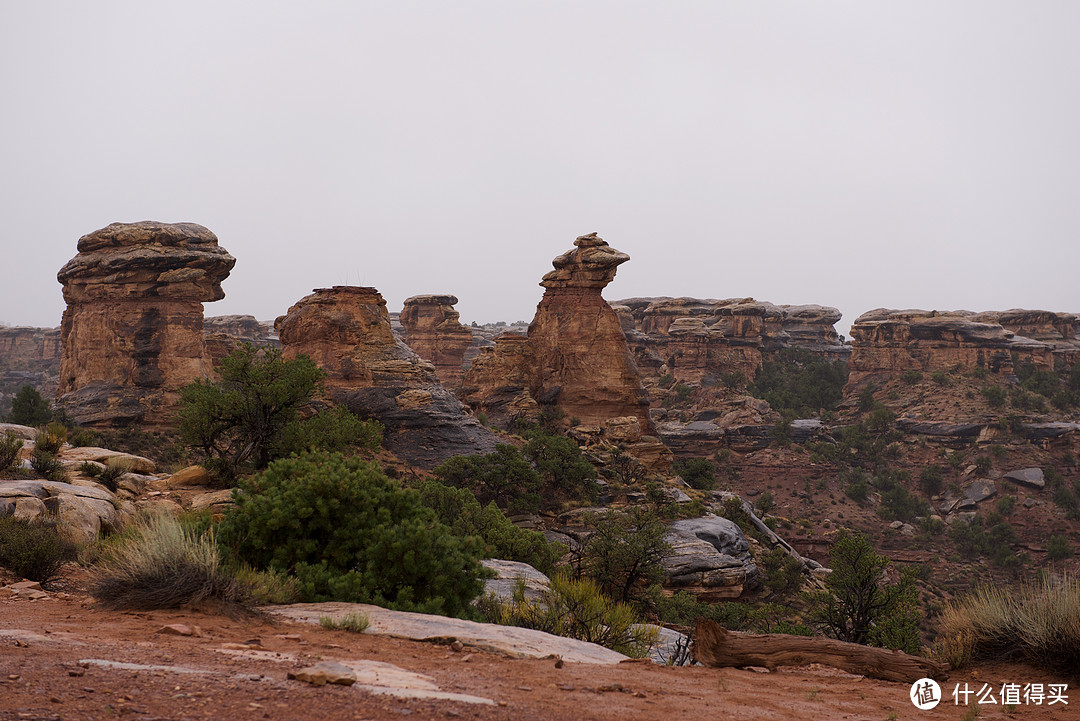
325,672
1032,477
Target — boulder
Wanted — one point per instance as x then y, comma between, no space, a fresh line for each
711,558
137,464
82,512
132,333
980,490
1032,477
507,576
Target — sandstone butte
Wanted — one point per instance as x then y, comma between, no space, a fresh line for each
433,330
693,339
574,355
888,342
132,333
346,331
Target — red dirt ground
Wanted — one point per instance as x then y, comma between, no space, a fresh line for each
43,679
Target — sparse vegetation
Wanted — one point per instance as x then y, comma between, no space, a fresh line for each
33,550
1058,547
10,446
28,408
162,565
797,382
575,608
1038,622
504,477
351,622
698,473
624,552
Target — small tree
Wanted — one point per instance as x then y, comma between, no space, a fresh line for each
504,477
236,421
860,605
699,473
562,466
625,551
28,408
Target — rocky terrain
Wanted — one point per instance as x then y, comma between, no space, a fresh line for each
431,328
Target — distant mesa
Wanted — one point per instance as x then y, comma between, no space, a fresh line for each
132,334
346,331
888,342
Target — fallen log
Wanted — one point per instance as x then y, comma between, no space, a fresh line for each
717,647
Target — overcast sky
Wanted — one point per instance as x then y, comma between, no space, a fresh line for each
855,154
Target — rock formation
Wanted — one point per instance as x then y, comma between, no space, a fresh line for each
432,330
28,356
1060,330
574,355
226,333
132,334
346,331
694,339
888,342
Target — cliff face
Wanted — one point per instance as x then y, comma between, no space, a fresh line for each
888,342
1061,331
225,333
433,330
132,334
575,354
346,331
695,339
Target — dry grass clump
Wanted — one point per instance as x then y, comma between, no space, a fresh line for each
33,550
1038,622
353,622
163,565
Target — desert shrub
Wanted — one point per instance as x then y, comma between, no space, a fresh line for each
562,466
931,480
626,469
1038,622
983,464
33,550
859,606
800,382
1035,380
900,504
856,485
459,509
237,421
351,622
1005,505
880,420
28,408
349,533
114,468
623,554
783,572
679,396
1067,499
699,473
10,446
976,538
265,587
51,438
504,477
1058,547
575,608
665,380
337,430
160,565
911,377
995,396
732,380
47,465
764,503
940,377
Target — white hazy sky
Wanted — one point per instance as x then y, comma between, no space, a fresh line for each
856,154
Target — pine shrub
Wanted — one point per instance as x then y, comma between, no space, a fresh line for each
33,550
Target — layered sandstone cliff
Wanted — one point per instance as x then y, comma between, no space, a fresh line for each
433,330
888,342
132,334
575,354
346,331
697,339
226,333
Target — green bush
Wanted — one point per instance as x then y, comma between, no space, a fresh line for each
51,438
349,533
336,430
859,606
28,408
625,551
699,473
504,477
856,486
900,504
10,446
764,503
575,608
931,480
1058,547
975,538
161,565
797,381
47,465
783,572
565,471
32,550
941,378
911,377
463,514
114,468
238,421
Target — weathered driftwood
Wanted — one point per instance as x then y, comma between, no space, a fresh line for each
718,647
